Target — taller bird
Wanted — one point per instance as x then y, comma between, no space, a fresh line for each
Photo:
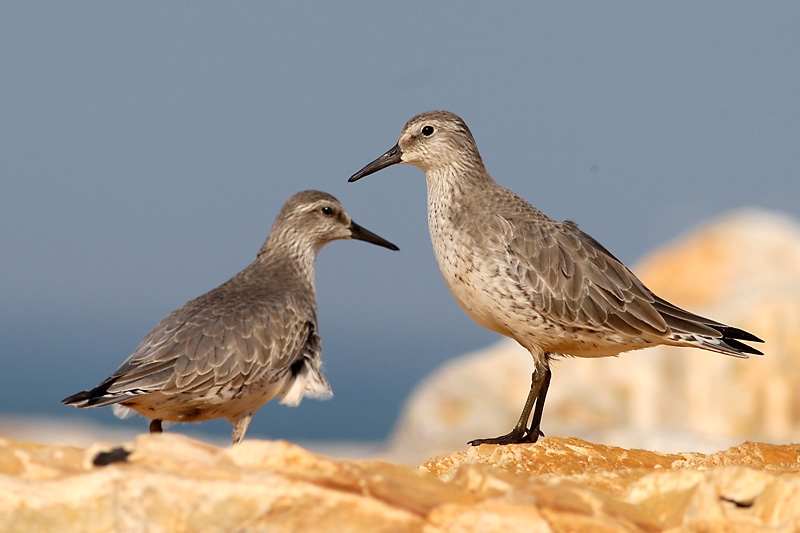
252,339
546,284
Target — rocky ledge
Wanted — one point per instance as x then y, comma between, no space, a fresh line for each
169,482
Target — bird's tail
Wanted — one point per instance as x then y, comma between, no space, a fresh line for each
98,396
690,329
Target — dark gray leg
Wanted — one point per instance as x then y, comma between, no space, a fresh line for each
540,382
535,432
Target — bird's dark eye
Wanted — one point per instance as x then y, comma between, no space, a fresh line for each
427,131
327,210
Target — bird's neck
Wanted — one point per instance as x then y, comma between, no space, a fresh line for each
457,199
459,185
287,253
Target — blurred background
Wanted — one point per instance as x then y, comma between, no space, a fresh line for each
146,147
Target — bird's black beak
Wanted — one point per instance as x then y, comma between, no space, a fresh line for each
392,157
357,232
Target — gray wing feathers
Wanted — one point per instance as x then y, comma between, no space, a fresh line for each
571,278
194,349
684,321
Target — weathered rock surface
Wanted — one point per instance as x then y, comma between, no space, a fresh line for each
742,269
171,483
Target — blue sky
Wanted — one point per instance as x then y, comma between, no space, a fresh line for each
146,147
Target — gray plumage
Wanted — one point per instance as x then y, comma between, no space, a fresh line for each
250,340
546,284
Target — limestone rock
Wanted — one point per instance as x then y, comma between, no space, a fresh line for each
172,483
742,269
575,485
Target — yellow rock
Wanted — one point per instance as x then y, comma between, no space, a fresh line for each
171,483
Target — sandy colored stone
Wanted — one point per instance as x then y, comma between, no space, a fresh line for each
779,503
783,458
38,461
730,254
488,517
577,484
172,483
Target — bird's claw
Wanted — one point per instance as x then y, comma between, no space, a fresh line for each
514,437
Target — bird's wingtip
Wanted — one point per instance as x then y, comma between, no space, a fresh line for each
76,398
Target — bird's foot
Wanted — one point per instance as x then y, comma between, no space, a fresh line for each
532,435
155,426
514,437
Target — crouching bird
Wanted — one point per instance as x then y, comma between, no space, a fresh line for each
252,339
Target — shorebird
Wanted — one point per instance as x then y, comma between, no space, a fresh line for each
546,284
252,339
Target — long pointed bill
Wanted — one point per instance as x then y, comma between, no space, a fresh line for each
392,157
357,232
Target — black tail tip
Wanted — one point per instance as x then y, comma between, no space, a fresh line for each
77,398
89,398
740,334
742,347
